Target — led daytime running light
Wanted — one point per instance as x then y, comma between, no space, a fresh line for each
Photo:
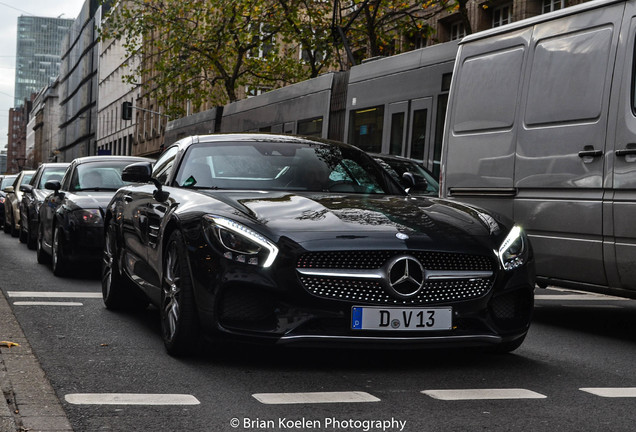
244,231
510,263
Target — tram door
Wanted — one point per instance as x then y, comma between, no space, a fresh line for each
394,139
419,135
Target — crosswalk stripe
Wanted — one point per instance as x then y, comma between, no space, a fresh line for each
53,294
130,399
482,394
314,397
576,297
611,392
45,303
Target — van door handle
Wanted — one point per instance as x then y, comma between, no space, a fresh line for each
590,153
626,152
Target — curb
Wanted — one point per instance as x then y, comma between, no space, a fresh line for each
30,403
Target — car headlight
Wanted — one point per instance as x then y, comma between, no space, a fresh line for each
513,252
240,243
86,217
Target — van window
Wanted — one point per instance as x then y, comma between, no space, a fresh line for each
365,129
418,135
490,80
397,132
310,127
567,77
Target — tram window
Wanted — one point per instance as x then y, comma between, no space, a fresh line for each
365,129
418,136
397,132
446,81
310,127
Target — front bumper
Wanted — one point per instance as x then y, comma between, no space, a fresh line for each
260,307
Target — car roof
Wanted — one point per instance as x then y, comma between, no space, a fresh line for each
90,159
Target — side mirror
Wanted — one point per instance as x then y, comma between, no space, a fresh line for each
8,189
53,185
26,188
414,181
139,172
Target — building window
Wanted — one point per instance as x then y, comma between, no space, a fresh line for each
457,31
552,5
501,15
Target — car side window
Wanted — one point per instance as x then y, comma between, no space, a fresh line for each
164,165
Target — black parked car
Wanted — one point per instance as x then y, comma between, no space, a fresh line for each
5,180
70,227
410,173
33,195
294,240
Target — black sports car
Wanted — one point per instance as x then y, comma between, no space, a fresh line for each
33,195
294,240
70,223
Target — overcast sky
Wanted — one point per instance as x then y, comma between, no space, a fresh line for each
10,10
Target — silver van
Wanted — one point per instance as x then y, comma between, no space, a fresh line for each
541,126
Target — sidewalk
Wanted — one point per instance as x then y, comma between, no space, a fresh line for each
30,403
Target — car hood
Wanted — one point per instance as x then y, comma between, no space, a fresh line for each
395,221
88,199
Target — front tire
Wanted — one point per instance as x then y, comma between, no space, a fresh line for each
43,257
180,327
58,260
117,291
32,235
24,235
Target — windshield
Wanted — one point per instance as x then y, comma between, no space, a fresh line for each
49,174
99,175
7,181
282,166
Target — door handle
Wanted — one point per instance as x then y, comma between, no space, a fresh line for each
590,153
626,152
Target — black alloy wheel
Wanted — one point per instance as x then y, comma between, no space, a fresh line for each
118,292
179,321
58,260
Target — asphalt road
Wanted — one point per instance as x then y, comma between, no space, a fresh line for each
575,372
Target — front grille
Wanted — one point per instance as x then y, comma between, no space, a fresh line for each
372,291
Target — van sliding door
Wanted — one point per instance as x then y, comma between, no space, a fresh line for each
620,206
561,146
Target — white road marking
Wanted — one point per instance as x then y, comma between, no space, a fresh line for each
314,398
611,392
45,303
130,399
53,294
483,394
577,297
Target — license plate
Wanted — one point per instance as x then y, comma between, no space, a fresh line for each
415,319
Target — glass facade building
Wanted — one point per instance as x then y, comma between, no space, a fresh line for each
38,54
